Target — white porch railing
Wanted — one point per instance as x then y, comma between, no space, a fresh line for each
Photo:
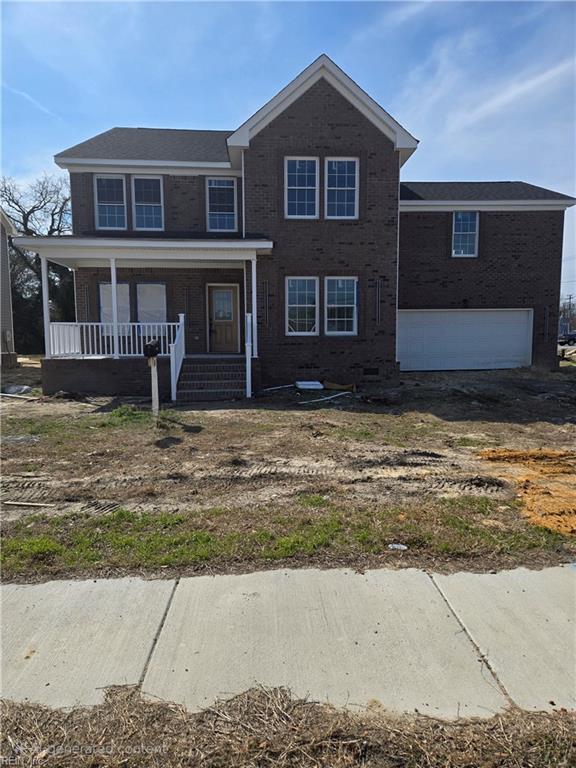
248,355
97,339
177,352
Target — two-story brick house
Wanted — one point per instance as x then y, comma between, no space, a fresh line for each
289,249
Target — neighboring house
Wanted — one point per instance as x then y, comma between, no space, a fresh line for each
289,249
8,357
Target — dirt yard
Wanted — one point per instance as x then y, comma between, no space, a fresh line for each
471,471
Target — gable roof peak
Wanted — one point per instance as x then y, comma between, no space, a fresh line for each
324,67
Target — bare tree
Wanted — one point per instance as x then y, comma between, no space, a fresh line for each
39,208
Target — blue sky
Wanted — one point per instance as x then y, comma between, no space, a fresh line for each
487,87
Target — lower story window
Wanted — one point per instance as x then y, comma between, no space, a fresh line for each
122,302
151,302
302,306
341,297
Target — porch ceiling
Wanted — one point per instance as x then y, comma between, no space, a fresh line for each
77,252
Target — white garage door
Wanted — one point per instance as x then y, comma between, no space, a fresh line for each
464,339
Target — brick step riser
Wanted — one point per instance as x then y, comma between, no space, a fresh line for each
210,397
212,370
209,374
197,381
210,385
212,377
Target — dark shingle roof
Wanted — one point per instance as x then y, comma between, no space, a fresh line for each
153,144
476,190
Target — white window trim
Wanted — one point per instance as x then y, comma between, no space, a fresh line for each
357,190
340,333
286,305
147,229
317,197
221,178
465,255
96,217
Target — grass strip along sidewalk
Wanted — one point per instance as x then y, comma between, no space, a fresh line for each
271,728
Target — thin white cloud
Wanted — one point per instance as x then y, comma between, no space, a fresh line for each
394,16
31,100
520,86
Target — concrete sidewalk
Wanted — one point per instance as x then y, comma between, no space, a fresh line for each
448,646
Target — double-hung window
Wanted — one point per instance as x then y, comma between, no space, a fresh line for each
110,198
221,205
302,306
151,302
465,233
341,305
301,187
341,187
148,204
122,302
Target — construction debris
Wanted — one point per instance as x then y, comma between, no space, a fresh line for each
323,399
309,385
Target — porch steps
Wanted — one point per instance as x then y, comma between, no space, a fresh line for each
204,379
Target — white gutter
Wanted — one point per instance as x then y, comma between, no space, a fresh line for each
67,162
486,205
69,242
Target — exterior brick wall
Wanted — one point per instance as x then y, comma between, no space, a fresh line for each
184,207
185,293
104,377
322,123
518,265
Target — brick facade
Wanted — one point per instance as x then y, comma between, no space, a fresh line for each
185,293
518,265
321,123
184,206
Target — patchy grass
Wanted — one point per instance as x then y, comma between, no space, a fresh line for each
466,528
268,727
57,430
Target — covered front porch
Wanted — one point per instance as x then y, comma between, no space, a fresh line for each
197,298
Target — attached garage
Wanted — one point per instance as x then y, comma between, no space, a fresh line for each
464,339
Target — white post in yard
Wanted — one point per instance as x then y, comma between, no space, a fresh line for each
254,311
46,307
153,363
114,292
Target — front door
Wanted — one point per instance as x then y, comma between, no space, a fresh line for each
223,330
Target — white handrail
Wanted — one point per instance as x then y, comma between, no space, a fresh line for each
248,337
97,339
177,352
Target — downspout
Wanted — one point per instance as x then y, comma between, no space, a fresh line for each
397,259
243,201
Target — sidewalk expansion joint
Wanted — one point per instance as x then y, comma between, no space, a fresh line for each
482,656
158,633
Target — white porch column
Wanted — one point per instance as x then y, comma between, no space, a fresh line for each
114,292
254,310
46,306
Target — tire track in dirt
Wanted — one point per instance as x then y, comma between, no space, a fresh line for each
378,473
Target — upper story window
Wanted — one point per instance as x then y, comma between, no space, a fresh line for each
465,233
341,298
302,306
110,198
341,179
147,201
301,187
221,205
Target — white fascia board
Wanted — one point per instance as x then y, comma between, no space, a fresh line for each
326,68
485,205
89,248
81,164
